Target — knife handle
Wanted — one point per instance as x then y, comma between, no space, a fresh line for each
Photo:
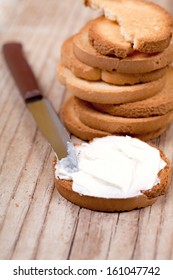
21,71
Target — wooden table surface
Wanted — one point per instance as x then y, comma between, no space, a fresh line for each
35,221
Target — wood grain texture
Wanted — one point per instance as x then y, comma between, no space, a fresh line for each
35,221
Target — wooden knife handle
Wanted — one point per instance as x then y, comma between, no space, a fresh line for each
21,71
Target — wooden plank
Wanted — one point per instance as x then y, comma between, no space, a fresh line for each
93,235
59,229
15,158
34,204
18,205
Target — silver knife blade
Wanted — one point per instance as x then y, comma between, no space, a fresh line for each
50,125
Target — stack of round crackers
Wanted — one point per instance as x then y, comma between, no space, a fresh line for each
118,69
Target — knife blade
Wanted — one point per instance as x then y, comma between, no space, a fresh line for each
40,107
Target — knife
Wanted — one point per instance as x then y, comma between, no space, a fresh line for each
40,107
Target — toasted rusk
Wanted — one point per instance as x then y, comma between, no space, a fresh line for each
113,124
135,63
106,38
147,26
101,92
121,79
70,116
146,198
84,71
157,105
74,125
78,68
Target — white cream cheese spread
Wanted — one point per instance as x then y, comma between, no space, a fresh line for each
113,167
